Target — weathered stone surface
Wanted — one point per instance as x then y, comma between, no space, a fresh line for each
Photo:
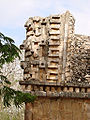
57,68
56,41
59,109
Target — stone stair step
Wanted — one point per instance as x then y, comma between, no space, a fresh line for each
55,21
56,27
53,67
54,32
53,55
55,37
53,73
55,44
54,49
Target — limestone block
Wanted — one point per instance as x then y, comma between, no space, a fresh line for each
65,89
58,89
54,44
77,90
52,67
55,26
55,21
53,55
54,49
83,90
57,37
52,77
53,89
70,89
47,89
41,88
54,32
88,90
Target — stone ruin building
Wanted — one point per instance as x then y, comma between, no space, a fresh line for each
56,69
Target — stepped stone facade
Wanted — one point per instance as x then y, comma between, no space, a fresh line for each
56,69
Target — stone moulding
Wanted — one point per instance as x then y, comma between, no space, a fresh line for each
56,90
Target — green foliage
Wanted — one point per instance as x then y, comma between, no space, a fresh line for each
8,52
16,97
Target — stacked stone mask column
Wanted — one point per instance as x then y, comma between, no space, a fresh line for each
47,47
54,50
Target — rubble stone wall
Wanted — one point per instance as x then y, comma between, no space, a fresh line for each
80,59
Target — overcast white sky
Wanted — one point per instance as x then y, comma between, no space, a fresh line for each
14,13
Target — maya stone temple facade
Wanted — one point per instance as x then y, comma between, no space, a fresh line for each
56,69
